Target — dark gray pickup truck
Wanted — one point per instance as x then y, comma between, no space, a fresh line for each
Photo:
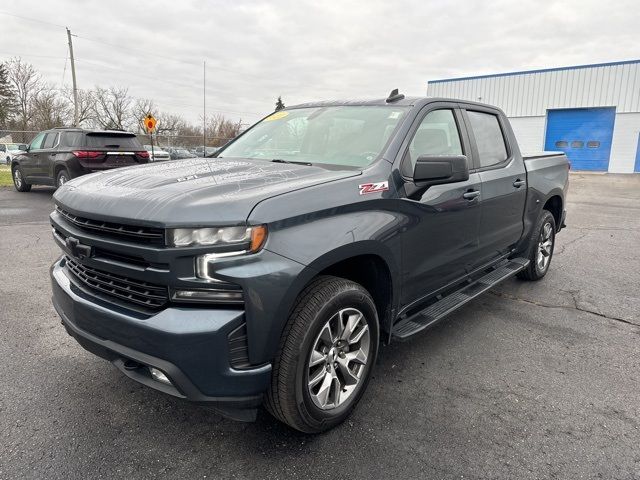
272,273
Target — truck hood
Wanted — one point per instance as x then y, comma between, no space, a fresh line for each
193,192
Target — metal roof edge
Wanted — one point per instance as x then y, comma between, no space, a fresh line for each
543,70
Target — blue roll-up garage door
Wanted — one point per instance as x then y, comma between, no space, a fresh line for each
584,134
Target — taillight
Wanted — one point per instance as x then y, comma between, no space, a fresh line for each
86,154
143,154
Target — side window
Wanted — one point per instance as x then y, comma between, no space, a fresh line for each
37,142
74,139
50,141
437,135
489,139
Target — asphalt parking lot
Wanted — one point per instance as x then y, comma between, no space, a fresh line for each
533,380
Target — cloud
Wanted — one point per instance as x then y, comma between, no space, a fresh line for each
305,50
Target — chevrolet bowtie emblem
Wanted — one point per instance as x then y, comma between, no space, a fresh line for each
77,249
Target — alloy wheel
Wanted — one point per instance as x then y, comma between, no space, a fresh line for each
545,247
17,178
338,359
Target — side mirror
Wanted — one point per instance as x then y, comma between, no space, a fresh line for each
24,148
439,169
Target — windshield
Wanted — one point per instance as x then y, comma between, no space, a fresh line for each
342,135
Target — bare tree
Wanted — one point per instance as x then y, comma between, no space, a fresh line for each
141,108
220,129
27,84
50,110
86,105
112,108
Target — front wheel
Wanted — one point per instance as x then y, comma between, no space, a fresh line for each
541,247
18,180
326,355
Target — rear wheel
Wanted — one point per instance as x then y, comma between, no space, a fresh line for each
18,180
326,355
541,247
62,177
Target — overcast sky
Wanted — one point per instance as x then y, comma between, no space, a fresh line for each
303,50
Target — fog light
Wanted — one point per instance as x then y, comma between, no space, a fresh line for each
220,296
159,376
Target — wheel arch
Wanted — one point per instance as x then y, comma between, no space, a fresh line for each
343,262
554,204
57,168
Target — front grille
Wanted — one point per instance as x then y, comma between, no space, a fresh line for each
118,287
115,230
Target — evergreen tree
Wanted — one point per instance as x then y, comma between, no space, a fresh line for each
279,104
7,95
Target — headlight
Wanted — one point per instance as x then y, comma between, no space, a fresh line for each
247,239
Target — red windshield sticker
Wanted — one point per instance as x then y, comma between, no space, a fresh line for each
373,187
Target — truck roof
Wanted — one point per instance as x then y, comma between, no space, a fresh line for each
406,101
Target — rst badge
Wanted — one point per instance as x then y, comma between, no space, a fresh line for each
373,187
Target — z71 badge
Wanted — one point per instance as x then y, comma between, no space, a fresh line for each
373,187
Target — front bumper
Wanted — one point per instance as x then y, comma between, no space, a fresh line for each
190,345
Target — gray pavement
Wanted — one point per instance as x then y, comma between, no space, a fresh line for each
532,380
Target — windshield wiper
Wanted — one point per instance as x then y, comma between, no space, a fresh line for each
279,160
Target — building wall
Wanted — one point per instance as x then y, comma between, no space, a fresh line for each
527,96
533,93
529,132
625,142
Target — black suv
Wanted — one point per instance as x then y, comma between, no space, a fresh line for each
58,155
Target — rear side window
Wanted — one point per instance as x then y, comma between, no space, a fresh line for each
72,139
492,149
50,140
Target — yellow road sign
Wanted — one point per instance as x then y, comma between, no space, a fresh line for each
150,123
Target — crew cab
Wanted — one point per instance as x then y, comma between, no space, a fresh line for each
272,273
55,156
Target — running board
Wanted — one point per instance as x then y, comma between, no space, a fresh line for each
435,312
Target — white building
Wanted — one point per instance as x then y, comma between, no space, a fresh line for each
591,112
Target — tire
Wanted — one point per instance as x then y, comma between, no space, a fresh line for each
18,180
541,245
291,398
62,177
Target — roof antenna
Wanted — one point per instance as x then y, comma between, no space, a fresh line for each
394,96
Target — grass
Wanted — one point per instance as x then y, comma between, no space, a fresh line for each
5,176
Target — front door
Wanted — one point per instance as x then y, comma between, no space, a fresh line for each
29,159
504,188
441,236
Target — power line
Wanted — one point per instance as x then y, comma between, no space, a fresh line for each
146,53
32,19
30,55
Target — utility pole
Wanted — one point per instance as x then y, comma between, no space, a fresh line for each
204,109
73,76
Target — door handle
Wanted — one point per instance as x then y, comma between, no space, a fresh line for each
518,183
471,194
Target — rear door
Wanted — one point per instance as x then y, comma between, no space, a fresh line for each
441,236
503,177
46,156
